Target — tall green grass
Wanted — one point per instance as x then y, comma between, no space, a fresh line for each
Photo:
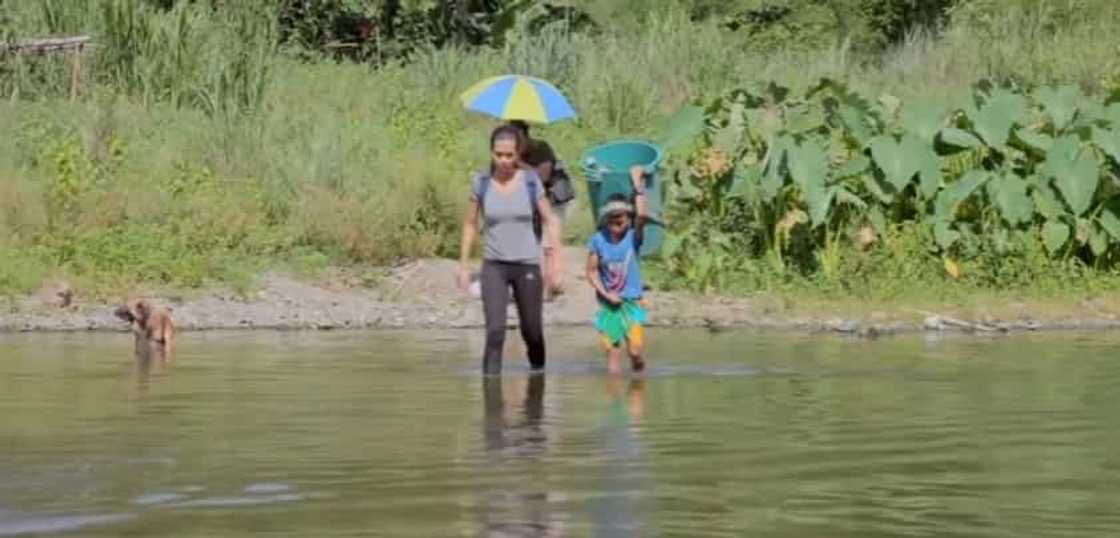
189,56
202,154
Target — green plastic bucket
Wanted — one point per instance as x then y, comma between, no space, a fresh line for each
607,169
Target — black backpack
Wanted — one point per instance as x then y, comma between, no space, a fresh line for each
560,190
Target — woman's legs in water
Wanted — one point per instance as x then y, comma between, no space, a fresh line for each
494,288
528,291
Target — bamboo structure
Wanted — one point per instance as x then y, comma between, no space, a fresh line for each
74,47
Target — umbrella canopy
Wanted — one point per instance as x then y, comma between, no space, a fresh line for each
518,97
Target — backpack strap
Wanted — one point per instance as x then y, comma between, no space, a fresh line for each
481,184
532,187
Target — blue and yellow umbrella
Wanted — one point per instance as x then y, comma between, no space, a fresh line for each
518,97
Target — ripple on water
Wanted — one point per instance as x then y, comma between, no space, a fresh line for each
260,493
18,524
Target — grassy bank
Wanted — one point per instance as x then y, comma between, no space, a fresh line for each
183,175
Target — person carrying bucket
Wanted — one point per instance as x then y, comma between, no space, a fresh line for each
613,271
558,189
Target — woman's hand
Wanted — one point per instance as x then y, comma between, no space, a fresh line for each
612,298
464,280
554,269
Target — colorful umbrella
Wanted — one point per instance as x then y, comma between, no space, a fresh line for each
517,97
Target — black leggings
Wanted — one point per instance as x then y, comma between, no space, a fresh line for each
528,291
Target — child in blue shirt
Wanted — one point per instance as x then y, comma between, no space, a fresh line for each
613,270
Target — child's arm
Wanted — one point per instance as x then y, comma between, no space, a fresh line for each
593,278
637,178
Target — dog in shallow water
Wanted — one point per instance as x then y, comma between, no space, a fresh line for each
152,326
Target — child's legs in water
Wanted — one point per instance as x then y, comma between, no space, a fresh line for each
614,354
635,346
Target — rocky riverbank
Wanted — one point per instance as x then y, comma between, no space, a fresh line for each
422,294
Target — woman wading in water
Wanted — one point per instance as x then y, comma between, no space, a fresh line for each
511,201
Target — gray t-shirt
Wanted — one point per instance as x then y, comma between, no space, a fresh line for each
508,221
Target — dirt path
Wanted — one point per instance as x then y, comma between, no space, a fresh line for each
422,294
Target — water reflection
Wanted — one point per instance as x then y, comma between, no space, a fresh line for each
618,509
516,440
144,367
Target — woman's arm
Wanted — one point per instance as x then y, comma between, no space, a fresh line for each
470,231
552,251
550,223
641,206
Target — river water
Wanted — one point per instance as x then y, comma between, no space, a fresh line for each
396,434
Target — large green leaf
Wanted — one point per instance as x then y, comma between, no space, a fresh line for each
993,121
944,234
729,137
1046,203
953,195
1098,241
1060,104
854,120
773,179
854,167
1054,235
1075,175
923,120
1108,141
929,167
899,161
747,180
1010,195
805,117
1110,222
808,165
1034,139
819,200
960,138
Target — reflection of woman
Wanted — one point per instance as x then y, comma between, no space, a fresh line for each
526,512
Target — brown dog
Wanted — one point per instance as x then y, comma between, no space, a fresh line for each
152,326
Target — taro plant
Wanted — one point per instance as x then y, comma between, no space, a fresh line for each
794,182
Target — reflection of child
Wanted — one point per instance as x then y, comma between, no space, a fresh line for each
613,270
